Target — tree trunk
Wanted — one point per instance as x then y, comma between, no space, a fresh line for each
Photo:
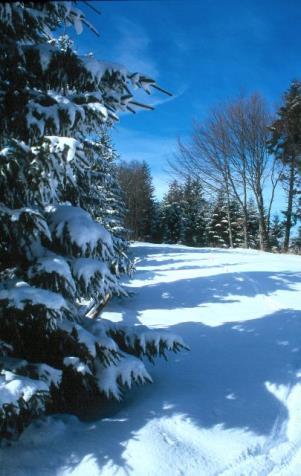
263,234
242,203
245,229
229,218
289,209
245,214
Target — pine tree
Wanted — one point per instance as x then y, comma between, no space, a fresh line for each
148,203
173,215
276,233
253,224
194,205
54,255
104,200
286,145
296,242
157,223
136,183
207,212
237,222
218,227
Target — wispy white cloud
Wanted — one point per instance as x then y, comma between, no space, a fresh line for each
158,99
133,48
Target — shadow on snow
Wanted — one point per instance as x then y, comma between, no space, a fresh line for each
221,381
200,291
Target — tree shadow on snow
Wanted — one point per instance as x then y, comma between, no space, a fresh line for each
200,291
152,256
222,381
146,251
164,266
233,364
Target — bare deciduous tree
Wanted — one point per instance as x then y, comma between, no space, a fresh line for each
207,158
229,152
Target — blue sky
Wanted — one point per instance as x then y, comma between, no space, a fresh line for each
204,52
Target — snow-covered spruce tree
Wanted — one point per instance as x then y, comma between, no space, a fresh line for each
218,229
237,222
296,242
173,215
54,255
149,207
276,233
156,230
223,212
102,197
194,208
207,211
138,192
253,224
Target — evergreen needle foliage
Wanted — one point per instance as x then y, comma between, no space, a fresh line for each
62,241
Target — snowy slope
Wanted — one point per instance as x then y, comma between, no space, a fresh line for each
231,406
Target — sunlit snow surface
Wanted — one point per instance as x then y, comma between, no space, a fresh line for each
230,406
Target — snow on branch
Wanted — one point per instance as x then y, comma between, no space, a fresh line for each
141,341
40,371
53,272
5,349
21,399
36,20
25,389
20,296
112,380
95,279
35,223
106,87
14,387
85,237
77,365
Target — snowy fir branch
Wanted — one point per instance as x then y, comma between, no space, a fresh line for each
63,242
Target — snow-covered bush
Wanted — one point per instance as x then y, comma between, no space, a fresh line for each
57,253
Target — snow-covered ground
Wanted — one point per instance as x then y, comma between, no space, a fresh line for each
230,406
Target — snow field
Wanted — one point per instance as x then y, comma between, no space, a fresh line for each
231,406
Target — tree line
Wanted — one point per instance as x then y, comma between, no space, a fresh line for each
226,178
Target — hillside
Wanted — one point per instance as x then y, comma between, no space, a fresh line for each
229,406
